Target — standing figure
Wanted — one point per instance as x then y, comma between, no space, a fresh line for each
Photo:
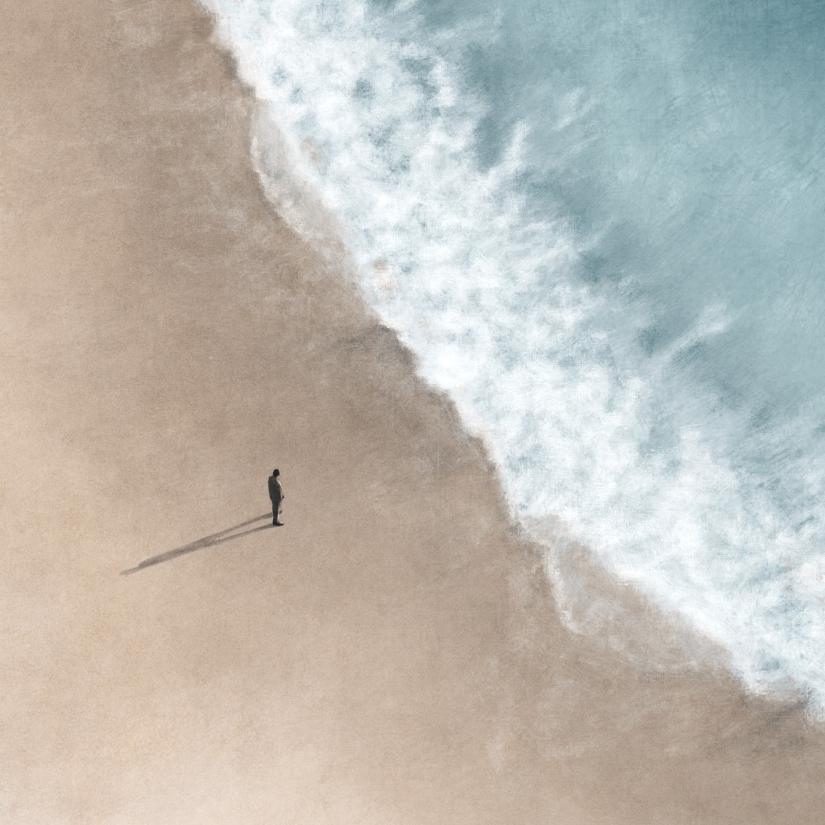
276,496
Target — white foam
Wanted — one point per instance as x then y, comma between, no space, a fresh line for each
377,135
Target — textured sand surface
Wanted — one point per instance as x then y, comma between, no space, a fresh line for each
392,655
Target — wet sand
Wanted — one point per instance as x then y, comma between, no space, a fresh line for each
393,653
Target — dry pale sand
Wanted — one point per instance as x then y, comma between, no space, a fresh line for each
392,655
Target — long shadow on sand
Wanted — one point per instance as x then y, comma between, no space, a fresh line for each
201,544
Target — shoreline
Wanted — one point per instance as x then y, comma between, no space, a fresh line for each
672,642
168,341
307,130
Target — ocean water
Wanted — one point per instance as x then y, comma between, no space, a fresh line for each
599,227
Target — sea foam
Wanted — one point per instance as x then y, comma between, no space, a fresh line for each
598,437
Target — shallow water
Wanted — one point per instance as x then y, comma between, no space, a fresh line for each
599,227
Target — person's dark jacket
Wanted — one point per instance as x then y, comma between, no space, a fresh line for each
275,492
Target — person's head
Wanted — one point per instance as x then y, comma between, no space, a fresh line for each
276,473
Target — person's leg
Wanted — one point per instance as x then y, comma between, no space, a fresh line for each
275,505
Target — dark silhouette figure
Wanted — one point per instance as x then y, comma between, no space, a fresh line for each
276,496
201,544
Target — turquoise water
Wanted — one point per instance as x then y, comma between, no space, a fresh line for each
599,228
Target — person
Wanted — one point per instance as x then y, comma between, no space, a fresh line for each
276,496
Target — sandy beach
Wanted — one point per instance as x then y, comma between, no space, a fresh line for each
393,654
